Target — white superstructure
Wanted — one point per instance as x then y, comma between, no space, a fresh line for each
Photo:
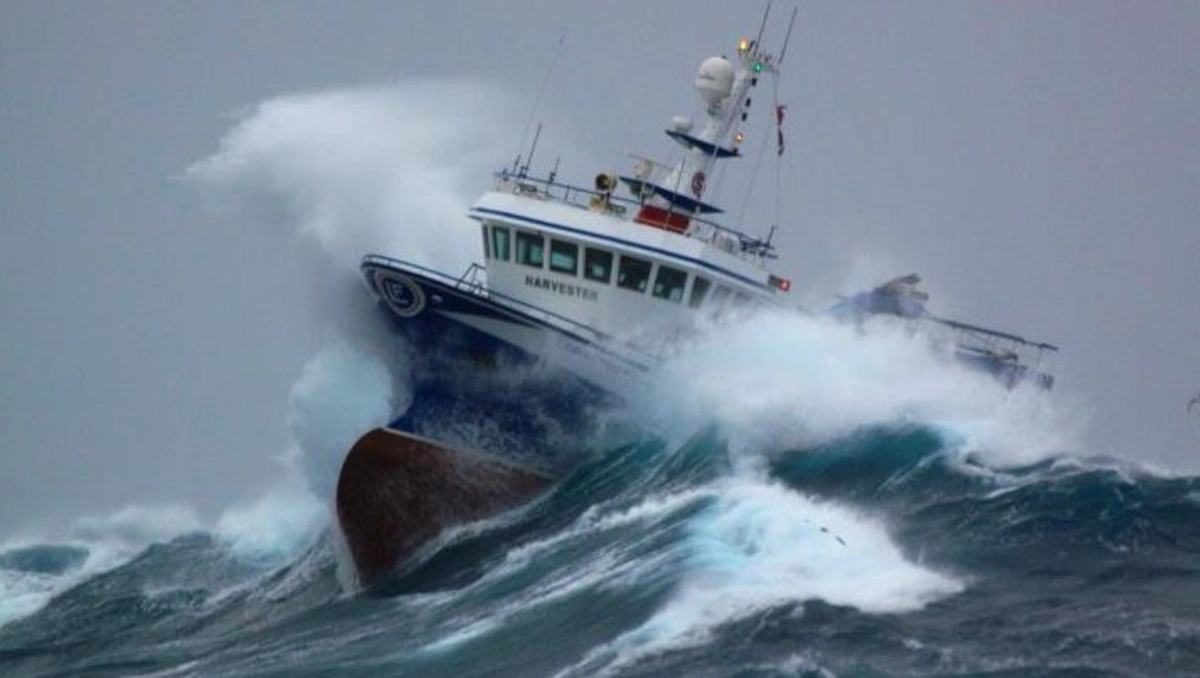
635,256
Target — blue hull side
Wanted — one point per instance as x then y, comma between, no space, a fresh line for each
474,389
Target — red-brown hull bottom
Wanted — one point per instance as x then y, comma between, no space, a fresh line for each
397,491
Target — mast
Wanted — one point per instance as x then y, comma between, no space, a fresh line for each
724,87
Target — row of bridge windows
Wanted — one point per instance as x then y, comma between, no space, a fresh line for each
598,265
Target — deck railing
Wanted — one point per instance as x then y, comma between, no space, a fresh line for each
730,240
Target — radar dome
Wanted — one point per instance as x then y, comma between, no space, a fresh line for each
714,80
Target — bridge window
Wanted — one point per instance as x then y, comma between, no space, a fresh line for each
633,273
487,253
531,249
669,283
700,288
564,257
597,265
500,243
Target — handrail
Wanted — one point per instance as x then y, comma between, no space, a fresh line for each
467,282
470,277
999,344
976,330
747,245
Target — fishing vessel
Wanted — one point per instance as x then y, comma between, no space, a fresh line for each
581,291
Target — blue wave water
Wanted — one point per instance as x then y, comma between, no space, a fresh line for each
887,551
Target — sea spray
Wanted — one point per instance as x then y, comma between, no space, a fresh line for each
385,168
273,528
793,380
341,394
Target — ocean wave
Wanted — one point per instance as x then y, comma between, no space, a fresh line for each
885,550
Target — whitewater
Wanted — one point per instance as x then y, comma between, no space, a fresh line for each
787,497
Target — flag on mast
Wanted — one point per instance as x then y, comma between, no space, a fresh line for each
779,126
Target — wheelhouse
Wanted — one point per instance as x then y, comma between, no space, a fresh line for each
628,273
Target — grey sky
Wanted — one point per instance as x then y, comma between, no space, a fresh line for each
1038,165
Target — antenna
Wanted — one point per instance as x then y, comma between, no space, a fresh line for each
763,25
537,101
532,148
788,37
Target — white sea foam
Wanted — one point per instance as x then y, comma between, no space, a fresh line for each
136,525
384,168
23,593
273,527
762,545
341,394
795,380
602,518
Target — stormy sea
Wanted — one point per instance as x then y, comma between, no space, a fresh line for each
777,523
786,497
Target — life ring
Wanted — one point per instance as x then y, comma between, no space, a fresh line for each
698,183
403,296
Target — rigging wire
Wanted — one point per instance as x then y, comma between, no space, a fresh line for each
537,101
762,148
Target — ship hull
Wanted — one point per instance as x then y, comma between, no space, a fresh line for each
483,367
497,393
397,491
